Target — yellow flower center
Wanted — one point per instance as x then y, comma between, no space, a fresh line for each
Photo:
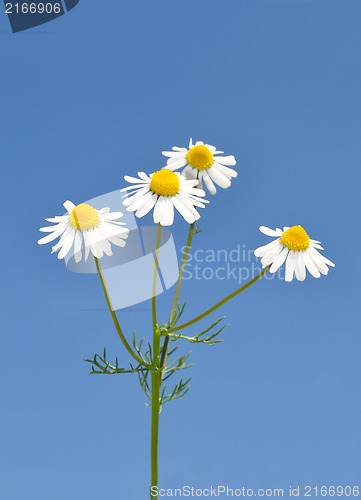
295,238
83,217
164,182
199,157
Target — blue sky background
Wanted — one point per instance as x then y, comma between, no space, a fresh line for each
99,93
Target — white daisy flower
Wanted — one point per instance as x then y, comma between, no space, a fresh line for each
294,246
97,228
164,190
202,163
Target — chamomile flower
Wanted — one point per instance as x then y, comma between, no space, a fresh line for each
164,190
202,162
85,226
294,246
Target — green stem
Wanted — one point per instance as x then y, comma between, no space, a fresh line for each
220,303
155,274
177,290
156,382
155,375
115,319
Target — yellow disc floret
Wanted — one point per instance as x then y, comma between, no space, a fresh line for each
164,182
295,238
199,157
83,217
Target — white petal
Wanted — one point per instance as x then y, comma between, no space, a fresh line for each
68,205
175,165
86,245
169,154
50,229
144,176
101,239
270,232
216,175
271,255
190,173
104,211
58,218
189,203
132,180
208,182
140,202
68,243
323,258
226,160
193,191
135,187
77,246
229,172
279,260
310,265
196,201
108,249
50,237
69,232
261,251
188,181
300,268
147,207
116,240
183,209
132,197
290,265
174,157
318,260
108,229
327,261
158,209
95,247
168,213
113,216
316,245
175,153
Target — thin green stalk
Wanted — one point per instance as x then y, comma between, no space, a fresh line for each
115,319
220,303
181,271
155,375
177,290
155,274
156,382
